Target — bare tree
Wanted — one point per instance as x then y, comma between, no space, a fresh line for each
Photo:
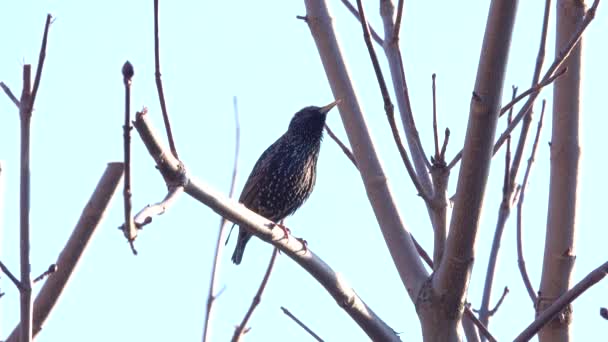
437,290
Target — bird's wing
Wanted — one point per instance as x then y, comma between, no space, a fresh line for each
250,190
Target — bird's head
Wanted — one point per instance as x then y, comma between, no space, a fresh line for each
310,120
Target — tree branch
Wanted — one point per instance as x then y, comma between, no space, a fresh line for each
504,211
159,83
25,113
301,324
564,300
344,148
129,228
395,233
389,108
219,245
336,286
239,331
520,249
355,13
90,220
452,276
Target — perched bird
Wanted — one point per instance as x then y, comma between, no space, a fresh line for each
283,177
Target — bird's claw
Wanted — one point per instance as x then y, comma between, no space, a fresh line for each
285,230
304,244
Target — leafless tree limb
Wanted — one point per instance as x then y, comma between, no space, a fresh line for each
499,303
90,220
219,246
145,215
173,169
301,324
239,331
558,305
25,113
52,269
10,275
559,60
435,133
129,228
532,92
41,57
452,275
398,20
355,13
520,249
10,94
388,106
159,82
504,211
344,148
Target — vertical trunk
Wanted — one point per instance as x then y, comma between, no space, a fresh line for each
565,153
441,302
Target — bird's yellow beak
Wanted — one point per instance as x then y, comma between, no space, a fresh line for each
327,108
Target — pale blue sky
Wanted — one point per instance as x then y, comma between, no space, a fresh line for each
261,53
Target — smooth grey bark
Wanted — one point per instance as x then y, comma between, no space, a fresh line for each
559,256
441,306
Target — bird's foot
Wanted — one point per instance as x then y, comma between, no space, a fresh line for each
304,244
285,230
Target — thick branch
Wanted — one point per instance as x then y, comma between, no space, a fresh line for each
559,253
453,273
337,287
564,300
90,220
396,235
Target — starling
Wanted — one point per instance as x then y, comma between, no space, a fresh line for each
284,175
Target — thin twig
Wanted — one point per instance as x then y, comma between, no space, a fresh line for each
527,121
10,275
499,303
52,269
446,139
388,106
129,228
556,65
301,324
219,245
520,249
398,20
144,216
435,133
25,113
504,211
535,88
159,83
355,13
532,92
10,94
238,333
565,299
344,148
41,57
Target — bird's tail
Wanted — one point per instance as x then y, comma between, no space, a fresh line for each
241,242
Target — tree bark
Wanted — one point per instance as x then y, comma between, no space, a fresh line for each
441,303
559,255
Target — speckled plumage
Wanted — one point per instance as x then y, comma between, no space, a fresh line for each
284,176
